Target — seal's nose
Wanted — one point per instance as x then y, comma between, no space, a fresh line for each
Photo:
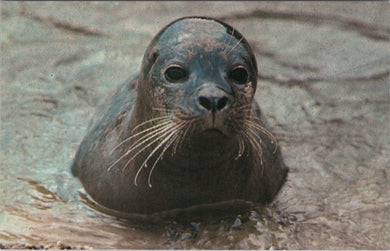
213,103
212,99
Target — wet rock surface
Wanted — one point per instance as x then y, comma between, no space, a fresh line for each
324,88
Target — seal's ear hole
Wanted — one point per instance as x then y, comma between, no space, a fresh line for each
175,74
239,75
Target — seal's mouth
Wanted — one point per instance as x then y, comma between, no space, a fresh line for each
213,132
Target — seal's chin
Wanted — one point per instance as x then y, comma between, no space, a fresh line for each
211,139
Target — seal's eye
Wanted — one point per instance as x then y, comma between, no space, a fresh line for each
175,74
239,75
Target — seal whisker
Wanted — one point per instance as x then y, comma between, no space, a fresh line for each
241,147
167,135
183,114
239,41
166,130
188,124
255,134
230,39
157,132
261,128
256,146
168,144
165,122
168,117
158,109
264,130
160,132
179,136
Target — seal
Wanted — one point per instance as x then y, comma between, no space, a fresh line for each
186,131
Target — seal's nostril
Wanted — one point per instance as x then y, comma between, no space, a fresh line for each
206,103
221,103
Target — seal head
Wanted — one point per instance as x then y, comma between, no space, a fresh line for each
204,68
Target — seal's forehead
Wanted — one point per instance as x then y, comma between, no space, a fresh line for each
193,29
198,36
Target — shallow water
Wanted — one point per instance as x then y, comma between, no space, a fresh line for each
323,87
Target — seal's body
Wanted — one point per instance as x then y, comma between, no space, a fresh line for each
186,131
